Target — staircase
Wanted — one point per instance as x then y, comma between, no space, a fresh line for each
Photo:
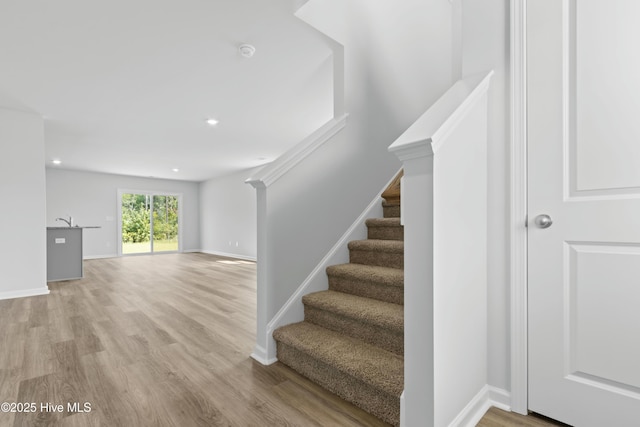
351,341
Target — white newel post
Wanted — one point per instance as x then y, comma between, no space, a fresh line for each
264,351
444,203
263,180
417,205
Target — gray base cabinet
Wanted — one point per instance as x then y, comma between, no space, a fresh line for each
64,253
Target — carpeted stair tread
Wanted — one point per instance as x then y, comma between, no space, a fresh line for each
371,273
383,222
365,310
352,339
370,320
376,245
381,369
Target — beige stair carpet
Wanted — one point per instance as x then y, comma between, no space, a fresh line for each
352,339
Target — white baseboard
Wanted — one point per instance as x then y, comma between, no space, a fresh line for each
86,257
487,397
187,251
24,293
228,255
260,355
500,398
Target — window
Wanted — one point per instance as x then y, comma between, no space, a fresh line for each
149,222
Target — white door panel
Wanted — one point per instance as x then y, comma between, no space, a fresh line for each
605,319
584,172
605,71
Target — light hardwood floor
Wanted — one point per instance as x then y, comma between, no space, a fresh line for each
498,418
157,341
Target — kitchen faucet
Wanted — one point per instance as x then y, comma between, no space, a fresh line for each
68,221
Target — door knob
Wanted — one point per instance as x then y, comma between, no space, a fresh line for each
543,221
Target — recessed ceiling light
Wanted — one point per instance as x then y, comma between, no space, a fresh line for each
175,170
56,161
212,122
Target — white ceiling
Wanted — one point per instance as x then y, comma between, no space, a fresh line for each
125,86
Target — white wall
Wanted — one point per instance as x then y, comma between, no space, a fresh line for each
485,46
228,216
397,61
92,199
23,258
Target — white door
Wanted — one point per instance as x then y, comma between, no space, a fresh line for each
584,173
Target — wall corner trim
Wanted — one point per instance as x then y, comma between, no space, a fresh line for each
260,355
274,170
486,398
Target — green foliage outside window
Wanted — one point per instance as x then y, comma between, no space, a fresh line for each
136,210
165,217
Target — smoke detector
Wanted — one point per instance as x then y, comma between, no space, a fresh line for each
246,50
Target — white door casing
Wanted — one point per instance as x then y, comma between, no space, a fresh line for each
583,148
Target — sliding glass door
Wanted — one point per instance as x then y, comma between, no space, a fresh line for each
149,223
136,223
165,224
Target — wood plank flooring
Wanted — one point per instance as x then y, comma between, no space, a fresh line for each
156,341
498,418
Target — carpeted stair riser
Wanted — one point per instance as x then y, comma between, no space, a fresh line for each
382,405
390,211
383,253
379,283
372,334
363,288
385,229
